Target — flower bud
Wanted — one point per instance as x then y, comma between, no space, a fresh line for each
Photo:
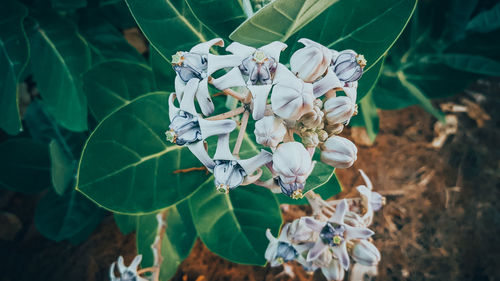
334,129
366,253
269,131
291,97
339,110
348,66
312,119
334,271
339,152
292,163
310,62
322,135
310,139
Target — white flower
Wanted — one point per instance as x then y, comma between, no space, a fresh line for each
334,271
339,152
188,128
231,172
339,110
291,97
126,273
370,200
200,64
365,253
310,62
258,67
269,131
292,163
334,234
280,250
299,232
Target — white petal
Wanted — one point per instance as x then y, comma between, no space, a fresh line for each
215,127
313,224
218,62
270,236
366,179
203,97
198,150
364,191
285,76
259,97
318,248
172,109
112,275
290,160
341,253
334,271
340,210
357,232
187,102
121,265
135,263
351,92
240,49
179,87
327,83
376,201
204,47
283,233
252,164
223,152
274,49
231,79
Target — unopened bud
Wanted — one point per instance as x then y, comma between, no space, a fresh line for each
310,139
339,110
269,131
348,66
334,129
310,62
322,135
312,119
339,152
366,253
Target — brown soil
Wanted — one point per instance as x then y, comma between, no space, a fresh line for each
441,220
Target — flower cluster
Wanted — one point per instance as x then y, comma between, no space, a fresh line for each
325,241
301,101
127,273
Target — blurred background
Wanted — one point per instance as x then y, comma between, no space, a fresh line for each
428,136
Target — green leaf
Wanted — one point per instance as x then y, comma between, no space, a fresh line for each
367,116
369,80
486,21
68,5
118,14
105,41
60,56
127,166
163,72
62,217
472,63
327,190
24,165
209,13
278,21
169,25
126,224
370,27
14,54
233,225
177,242
63,168
112,84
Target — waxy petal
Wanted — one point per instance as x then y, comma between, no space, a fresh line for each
223,151
250,165
203,97
172,109
121,265
204,47
216,62
179,87
340,210
357,232
341,253
314,224
274,49
318,248
187,101
198,150
334,271
327,83
231,79
310,62
216,127
259,98
112,275
240,49
339,110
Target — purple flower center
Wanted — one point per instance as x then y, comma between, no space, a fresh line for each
332,234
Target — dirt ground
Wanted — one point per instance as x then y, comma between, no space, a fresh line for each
441,220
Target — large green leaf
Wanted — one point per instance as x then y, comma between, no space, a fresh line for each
369,79
112,84
278,21
60,56
209,13
486,21
14,54
62,217
127,165
24,165
63,168
327,190
472,63
68,4
233,225
169,25
177,241
369,27
105,41
126,223
163,72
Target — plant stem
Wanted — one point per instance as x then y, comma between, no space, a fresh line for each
228,114
202,168
156,246
241,133
230,92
